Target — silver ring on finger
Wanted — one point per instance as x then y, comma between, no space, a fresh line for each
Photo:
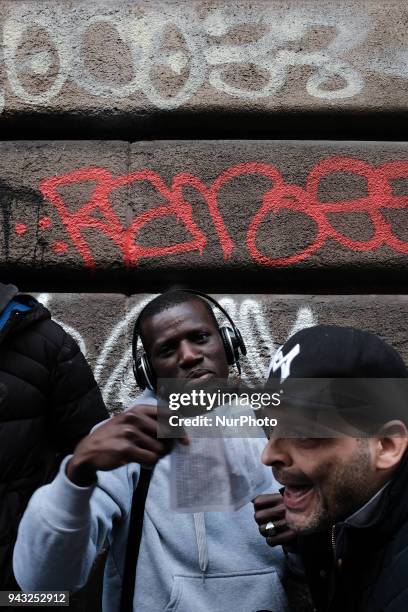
270,529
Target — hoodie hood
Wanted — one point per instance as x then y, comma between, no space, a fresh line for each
7,293
17,310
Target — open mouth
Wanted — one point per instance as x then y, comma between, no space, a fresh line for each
297,497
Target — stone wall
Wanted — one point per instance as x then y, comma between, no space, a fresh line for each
288,231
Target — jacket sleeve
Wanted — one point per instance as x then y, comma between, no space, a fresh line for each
65,526
76,401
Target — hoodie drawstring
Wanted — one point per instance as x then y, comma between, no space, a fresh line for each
201,538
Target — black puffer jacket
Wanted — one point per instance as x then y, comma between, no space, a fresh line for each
367,568
49,400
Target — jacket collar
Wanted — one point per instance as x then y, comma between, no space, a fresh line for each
386,511
393,506
12,307
35,312
363,515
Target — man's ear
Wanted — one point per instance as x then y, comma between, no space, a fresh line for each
392,442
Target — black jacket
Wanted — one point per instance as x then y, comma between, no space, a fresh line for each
49,400
367,568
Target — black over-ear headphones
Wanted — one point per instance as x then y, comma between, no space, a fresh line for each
231,339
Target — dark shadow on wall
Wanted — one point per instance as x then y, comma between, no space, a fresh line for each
133,126
329,281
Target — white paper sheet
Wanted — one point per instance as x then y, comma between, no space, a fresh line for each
217,474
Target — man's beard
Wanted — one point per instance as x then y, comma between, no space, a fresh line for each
345,491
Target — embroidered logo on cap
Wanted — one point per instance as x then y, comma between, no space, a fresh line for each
279,360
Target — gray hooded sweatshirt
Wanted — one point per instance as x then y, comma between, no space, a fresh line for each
210,562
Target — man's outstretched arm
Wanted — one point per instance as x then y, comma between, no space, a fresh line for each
67,522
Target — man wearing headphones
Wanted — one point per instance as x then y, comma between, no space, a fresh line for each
202,562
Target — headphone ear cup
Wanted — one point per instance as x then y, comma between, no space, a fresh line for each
240,340
231,344
143,372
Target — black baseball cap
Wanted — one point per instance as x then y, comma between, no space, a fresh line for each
333,369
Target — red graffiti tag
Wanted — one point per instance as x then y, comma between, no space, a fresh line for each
99,214
379,196
60,247
110,225
20,229
44,223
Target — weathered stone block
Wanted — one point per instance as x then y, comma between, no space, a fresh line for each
105,59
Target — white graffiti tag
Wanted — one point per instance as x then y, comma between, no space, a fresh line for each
203,50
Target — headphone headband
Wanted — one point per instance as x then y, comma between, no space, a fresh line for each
211,299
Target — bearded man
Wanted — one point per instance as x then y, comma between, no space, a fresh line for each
345,498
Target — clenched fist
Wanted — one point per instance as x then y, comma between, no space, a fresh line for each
125,438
